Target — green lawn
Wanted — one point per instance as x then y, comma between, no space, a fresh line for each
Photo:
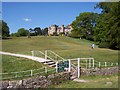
12,64
16,64
93,82
64,46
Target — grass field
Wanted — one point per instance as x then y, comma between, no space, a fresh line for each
67,48
93,82
64,46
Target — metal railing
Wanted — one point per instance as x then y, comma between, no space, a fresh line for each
27,73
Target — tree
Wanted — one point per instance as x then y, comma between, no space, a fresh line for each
22,32
38,31
107,27
84,25
5,29
45,31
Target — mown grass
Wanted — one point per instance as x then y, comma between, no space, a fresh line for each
64,46
93,82
16,64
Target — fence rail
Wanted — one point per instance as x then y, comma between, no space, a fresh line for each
27,73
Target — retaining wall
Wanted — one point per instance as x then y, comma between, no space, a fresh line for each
36,82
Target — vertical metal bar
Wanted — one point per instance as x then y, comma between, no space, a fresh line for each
46,55
56,67
86,63
89,63
93,63
105,64
31,72
69,65
45,69
99,65
32,54
78,67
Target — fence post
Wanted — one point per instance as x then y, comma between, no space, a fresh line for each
78,67
111,64
86,63
99,64
89,63
93,63
46,55
116,64
16,75
45,69
56,67
31,72
32,54
69,65
105,64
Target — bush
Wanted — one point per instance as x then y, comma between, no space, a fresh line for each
104,45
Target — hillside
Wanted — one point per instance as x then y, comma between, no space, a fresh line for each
64,46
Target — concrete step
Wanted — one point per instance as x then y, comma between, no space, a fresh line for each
49,63
52,65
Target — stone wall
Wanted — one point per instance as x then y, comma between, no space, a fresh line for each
100,71
36,82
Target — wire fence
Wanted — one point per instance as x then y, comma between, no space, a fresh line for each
27,73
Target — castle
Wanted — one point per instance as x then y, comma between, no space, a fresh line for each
59,30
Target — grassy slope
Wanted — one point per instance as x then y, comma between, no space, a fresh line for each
64,46
16,64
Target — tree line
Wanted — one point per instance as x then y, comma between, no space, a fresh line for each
37,31
103,28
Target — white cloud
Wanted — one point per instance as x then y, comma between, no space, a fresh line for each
27,19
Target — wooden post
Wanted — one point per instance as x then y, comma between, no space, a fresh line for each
78,67
69,65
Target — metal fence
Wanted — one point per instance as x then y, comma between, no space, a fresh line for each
27,73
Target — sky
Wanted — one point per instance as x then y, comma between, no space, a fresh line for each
43,14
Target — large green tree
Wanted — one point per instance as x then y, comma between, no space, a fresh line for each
5,29
108,25
23,32
84,25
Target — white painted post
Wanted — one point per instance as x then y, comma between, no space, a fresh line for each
86,63
45,55
93,63
111,64
45,69
56,67
16,75
99,64
78,67
105,64
69,65
89,63
32,54
31,72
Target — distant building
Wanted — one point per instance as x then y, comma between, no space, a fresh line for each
59,30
